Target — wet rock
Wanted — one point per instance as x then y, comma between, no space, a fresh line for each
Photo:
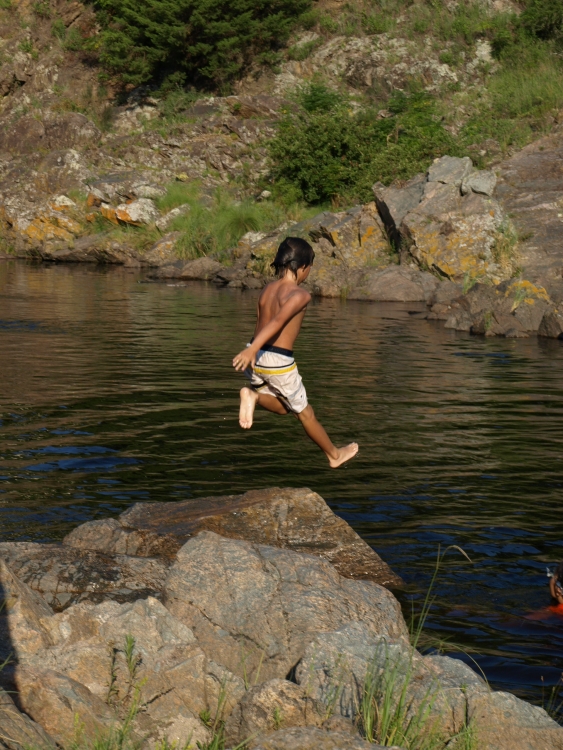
163,252
297,519
551,325
450,170
479,182
255,608
269,706
201,268
138,212
17,730
63,576
64,708
308,738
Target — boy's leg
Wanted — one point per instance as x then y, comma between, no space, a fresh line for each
248,400
317,433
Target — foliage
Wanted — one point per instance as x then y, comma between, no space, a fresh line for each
331,151
544,18
208,41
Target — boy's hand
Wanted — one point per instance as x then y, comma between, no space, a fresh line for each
245,359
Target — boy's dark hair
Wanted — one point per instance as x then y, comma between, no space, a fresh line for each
293,253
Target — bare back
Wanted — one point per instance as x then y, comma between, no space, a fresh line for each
274,296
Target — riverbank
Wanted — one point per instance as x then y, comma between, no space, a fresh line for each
245,616
483,254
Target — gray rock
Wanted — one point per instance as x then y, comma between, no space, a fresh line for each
63,576
256,608
312,739
17,730
479,182
335,665
289,518
450,170
397,202
551,325
201,268
446,292
63,707
270,706
395,284
307,738
176,679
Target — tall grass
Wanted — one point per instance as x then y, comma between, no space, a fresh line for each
386,713
214,228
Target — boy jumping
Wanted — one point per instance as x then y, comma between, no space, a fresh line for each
268,360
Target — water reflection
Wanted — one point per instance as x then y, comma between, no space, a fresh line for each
115,392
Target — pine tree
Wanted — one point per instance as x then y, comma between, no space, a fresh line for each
203,42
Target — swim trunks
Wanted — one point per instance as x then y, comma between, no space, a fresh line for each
275,373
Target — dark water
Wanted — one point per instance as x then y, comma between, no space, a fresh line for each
114,391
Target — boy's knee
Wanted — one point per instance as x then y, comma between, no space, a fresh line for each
307,413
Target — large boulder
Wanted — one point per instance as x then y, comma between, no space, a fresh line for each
255,608
297,519
447,220
445,694
63,576
395,284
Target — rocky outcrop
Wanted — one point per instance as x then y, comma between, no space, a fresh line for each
296,519
17,730
268,644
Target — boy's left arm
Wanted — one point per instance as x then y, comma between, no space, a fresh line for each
292,306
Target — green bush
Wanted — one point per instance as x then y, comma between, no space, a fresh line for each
208,42
544,18
327,153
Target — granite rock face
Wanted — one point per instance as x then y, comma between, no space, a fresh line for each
295,519
17,730
256,607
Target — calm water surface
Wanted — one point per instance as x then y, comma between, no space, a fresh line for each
114,392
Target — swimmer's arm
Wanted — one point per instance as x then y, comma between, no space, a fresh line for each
554,590
294,305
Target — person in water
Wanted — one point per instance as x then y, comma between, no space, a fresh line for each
556,589
275,383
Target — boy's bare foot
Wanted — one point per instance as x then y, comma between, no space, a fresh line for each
248,400
344,454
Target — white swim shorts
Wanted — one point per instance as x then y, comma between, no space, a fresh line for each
275,373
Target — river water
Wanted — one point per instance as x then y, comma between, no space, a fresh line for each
115,391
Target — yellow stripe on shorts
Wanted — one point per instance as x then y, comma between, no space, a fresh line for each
275,370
